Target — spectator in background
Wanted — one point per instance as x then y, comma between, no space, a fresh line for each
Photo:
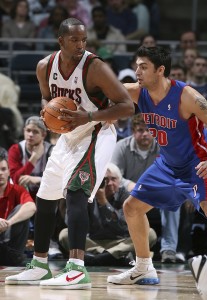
177,72
40,9
90,4
135,153
108,57
50,31
121,17
5,8
154,11
20,25
127,75
102,31
108,238
148,40
77,9
16,208
199,75
187,61
188,40
7,128
143,18
9,98
27,159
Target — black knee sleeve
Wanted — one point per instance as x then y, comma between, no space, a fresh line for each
78,221
44,224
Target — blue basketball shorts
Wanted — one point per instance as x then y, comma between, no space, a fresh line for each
163,187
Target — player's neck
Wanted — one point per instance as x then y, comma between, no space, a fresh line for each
160,91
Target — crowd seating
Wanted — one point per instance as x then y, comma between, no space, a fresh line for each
20,65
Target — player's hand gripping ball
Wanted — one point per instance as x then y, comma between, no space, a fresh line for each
52,111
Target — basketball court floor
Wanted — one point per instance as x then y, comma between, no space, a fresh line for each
176,283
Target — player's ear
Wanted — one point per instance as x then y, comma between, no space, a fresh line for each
161,70
60,40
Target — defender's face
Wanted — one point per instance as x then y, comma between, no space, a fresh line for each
145,72
74,43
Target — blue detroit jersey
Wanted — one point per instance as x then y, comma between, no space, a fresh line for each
181,141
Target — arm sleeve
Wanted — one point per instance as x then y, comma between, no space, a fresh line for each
15,164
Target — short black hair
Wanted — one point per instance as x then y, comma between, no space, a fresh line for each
65,25
159,56
3,154
98,9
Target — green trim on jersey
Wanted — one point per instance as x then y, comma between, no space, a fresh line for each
84,175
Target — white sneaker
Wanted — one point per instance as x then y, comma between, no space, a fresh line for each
134,276
198,267
72,277
32,275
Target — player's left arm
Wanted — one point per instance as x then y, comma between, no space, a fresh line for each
193,103
41,73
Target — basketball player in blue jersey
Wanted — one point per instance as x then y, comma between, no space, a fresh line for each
78,162
175,114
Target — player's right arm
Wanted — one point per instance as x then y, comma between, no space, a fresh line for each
41,73
133,90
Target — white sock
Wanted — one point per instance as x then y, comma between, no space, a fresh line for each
43,260
76,261
143,263
147,260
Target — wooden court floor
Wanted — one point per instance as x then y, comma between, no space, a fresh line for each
176,283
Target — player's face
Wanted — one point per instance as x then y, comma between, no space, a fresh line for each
4,172
147,76
112,183
33,135
74,44
143,137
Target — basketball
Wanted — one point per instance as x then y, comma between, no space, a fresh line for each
52,111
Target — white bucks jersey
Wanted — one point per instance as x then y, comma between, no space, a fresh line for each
80,157
71,86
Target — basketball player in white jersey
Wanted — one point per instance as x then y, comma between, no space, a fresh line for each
78,162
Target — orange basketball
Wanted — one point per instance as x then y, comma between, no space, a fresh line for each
52,111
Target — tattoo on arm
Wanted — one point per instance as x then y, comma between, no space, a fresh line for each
201,102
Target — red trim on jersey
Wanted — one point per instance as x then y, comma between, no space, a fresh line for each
13,195
66,77
87,62
198,140
49,65
173,82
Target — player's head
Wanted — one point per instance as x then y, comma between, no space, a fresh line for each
34,131
112,179
4,168
72,38
158,56
141,133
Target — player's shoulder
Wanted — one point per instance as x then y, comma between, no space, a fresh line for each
43,62
133,89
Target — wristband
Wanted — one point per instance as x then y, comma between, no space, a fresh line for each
90,116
